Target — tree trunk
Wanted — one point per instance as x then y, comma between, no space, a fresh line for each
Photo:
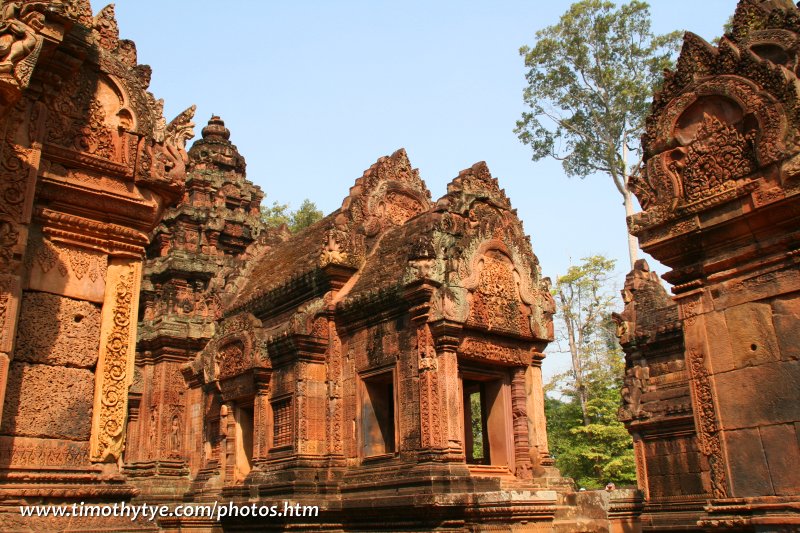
633,242
577,367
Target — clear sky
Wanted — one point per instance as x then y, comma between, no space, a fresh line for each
315,91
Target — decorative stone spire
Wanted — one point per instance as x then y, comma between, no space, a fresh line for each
214,150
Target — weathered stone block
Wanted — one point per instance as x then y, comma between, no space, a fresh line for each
754,396
48,401
56,330
786,317
782,450
752,337
748,464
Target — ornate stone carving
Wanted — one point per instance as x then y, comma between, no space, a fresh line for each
495,302
635,384
115,367
230,360
332,252
486,350
20,44
106,29
165,164
708,433
388,194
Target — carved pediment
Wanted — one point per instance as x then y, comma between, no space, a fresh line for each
236,349
388,194
724,118
495,300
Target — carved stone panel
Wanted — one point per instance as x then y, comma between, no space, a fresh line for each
56,330
67,270
48,401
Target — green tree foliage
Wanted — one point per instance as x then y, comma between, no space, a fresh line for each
589,443
276,215
476,423
590,81
279,214
305,215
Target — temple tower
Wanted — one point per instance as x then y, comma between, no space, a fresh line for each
192,267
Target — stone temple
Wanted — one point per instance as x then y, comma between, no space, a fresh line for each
160,345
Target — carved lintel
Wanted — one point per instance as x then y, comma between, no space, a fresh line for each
115,365
105,237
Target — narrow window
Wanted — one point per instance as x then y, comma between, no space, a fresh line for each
377,415
282,423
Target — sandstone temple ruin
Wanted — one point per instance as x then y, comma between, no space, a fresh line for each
159,344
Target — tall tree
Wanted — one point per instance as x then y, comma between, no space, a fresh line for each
584,305
589,443
590,81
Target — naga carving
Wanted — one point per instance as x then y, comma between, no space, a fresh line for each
165,164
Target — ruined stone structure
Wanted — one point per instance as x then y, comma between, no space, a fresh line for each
712,394
87,166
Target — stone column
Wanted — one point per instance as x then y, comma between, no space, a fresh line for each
227,450
442,399
693,307
20,165
537,424
262,423
519,409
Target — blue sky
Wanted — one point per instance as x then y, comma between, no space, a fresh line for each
315,91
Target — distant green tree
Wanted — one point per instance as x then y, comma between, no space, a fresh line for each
590,82
276,215
305,216
279,214
589,443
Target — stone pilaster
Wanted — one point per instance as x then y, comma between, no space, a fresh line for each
115,364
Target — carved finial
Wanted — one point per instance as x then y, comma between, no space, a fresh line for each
331,252
214,149
216,129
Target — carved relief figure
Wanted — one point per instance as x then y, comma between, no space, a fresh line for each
175,435
19,43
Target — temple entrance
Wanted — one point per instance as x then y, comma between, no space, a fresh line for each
476,437
487,419
377,415
244,442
